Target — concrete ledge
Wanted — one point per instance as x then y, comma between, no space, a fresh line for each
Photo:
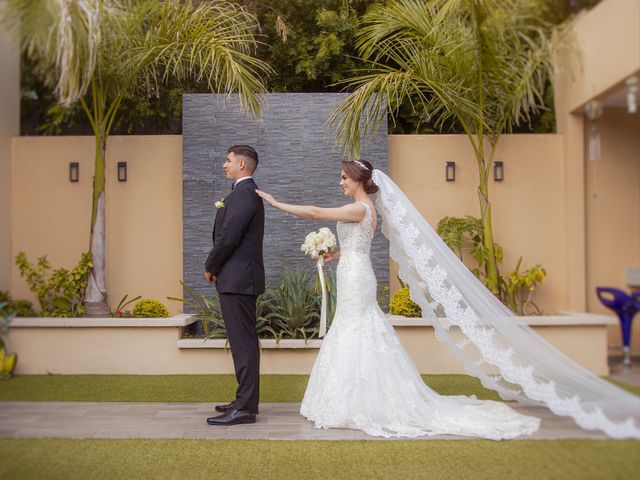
184,319
566,319
181,320
264,343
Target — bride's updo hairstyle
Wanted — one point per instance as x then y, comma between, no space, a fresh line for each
360,171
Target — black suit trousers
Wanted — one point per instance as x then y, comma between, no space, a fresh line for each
239,314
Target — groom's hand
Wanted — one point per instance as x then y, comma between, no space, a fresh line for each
211,278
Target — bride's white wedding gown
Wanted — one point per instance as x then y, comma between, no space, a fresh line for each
364,379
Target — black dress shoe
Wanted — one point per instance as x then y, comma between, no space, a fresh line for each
232,417
224,408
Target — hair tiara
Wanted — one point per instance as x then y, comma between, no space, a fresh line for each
360,164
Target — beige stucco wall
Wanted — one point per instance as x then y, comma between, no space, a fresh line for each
601,240
604,52
9,127
528,213
144,215
144,222
613,210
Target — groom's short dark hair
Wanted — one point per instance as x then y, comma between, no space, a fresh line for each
248,152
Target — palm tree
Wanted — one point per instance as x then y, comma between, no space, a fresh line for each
482,63
97,52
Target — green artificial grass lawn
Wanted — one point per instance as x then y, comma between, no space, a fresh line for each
258,459
248,459
194,388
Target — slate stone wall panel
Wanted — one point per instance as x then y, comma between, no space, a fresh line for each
298,164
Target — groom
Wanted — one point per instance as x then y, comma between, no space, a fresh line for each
236,267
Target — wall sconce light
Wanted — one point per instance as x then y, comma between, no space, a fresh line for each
632,94
122,171
450,171
593,111
498,171
74,171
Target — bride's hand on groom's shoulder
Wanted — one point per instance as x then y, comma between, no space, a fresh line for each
269,198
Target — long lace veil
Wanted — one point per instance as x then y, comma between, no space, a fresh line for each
491,342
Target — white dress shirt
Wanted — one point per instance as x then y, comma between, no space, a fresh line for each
235,184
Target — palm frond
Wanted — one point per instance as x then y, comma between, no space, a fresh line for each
122,44
61,37
210,41
483,62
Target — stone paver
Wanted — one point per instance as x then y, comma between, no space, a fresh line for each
277,421
630,376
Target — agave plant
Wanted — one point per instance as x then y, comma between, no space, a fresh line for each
209,313
292,310
264,306
295,306
207,310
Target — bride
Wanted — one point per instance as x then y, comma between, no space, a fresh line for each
364,379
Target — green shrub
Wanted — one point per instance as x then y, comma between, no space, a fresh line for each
401,304
16,308
61,292
150,309
7,360
516,288
4,321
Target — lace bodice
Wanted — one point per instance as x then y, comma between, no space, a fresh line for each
356,236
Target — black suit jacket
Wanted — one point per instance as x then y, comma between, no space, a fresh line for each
236,258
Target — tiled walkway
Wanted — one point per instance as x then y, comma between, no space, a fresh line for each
631,376
277,421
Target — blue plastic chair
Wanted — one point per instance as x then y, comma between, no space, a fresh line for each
625,306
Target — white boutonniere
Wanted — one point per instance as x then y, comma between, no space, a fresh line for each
220,203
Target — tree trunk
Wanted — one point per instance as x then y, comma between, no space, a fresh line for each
491,267
96,293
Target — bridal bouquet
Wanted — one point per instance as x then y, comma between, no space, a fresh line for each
318,243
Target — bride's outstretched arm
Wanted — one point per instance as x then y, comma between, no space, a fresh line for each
353,212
